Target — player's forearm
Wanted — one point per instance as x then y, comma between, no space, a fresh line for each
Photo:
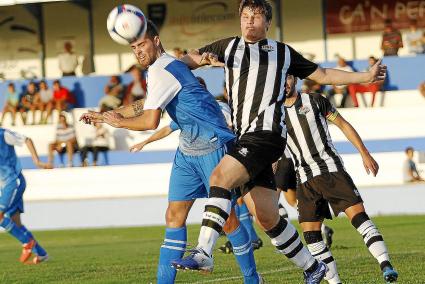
328,76
31,148
132,110
138,123
160,134
192,59
354,138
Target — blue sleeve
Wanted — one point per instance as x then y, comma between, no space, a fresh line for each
174,126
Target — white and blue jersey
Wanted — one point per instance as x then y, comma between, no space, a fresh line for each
204,132
12,182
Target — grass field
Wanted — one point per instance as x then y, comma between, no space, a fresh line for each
129,255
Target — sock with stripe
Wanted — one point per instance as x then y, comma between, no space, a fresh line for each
372,238
172,249
14,230
242,249
246,219
285,238
217,210
320,251
38,250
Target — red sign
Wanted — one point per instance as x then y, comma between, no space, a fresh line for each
348,16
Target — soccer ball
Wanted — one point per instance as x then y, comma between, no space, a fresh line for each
126,23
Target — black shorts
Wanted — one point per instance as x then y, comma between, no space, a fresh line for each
257,151
285,175
315,195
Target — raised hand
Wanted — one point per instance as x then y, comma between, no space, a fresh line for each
137,147
209,58
91,117
378,72
113,119
370,165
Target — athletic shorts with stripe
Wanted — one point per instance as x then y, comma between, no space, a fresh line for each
314,196
11,196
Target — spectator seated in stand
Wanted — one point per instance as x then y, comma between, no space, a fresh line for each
114,92
373,88
100,143
28,102
11,104
410,172
340,89
65,142
63,99
44,101
136,90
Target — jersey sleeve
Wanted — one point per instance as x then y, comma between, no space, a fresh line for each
325,107
299,66
217,47
13,138
174,126
162,88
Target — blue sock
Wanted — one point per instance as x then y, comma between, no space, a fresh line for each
14,230
38,250
246,220
244,254
173,248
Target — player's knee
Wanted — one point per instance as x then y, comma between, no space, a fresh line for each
217,177
267,219
174,218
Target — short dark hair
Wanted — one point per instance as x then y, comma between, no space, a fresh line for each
151,30
409,149
11,85
57,82
263,6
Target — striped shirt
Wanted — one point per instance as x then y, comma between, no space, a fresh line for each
255,75
64,134
308,138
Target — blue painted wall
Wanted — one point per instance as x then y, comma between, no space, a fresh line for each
404,73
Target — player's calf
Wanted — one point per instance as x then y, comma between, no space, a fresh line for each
375,243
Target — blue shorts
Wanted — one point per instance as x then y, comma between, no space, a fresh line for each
190,175
11,196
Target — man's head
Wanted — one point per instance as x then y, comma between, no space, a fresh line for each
43,85
56,85
413,24
31,88
372,60
256,17
290,85
409,152
62,119
341,62
388,25
11,87
148,48
115,80
202,82
67,46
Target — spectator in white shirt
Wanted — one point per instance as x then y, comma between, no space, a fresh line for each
68,60
65,142
410,172
100,143
340,89
414,39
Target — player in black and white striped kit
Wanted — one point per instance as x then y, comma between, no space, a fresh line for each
322,179
255,69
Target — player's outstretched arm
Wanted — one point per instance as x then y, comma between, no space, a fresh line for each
148,120
34,155
195,60
158,135
329,76
132,110
370,165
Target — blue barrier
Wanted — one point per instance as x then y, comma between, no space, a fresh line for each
404,73
150,157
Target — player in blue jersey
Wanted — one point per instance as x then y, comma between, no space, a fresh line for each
204,139
12,188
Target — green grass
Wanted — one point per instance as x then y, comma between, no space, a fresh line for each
130,255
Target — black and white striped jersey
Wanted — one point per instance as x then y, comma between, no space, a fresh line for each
308,136
255,77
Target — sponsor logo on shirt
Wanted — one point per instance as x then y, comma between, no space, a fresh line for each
303,110
240,47
243,152
267,48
